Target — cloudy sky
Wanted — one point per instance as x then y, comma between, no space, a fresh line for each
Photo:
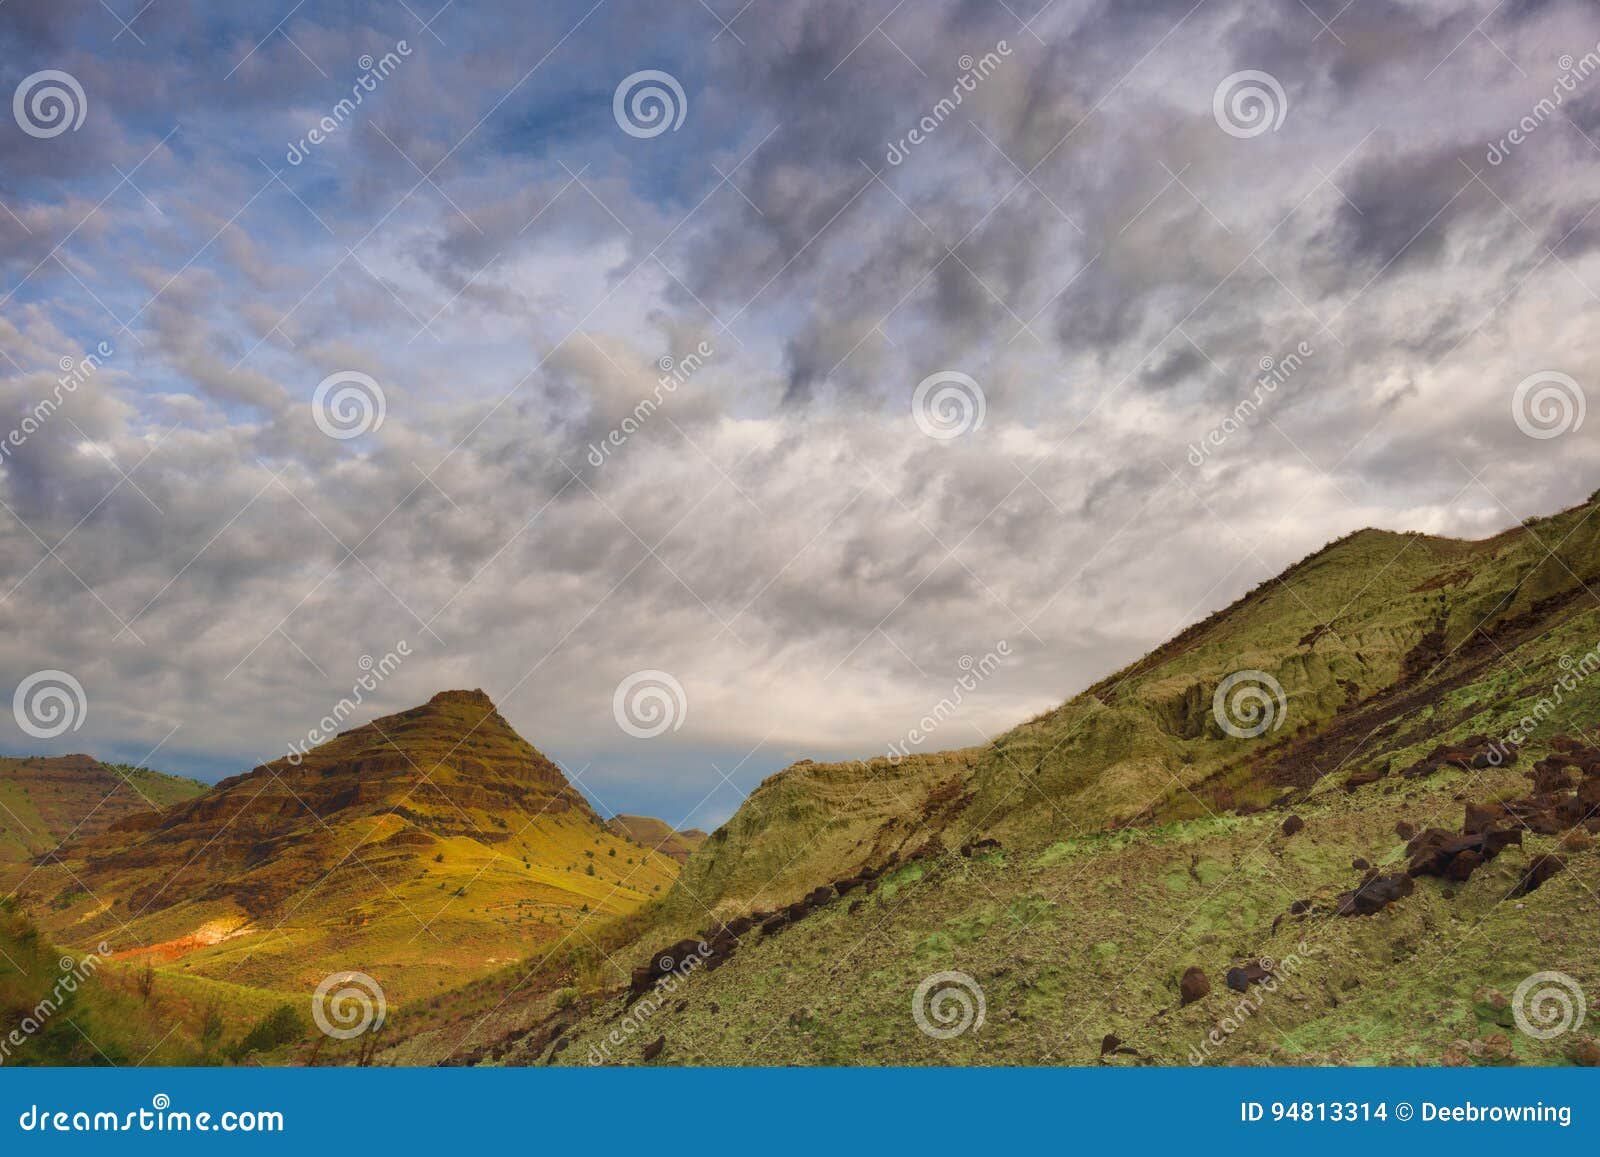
955,304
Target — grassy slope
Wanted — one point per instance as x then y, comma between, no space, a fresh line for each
45,799
102,1020
1127,859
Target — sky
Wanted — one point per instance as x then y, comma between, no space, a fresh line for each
716,384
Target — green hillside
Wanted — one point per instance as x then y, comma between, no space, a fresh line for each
1077,867
43,799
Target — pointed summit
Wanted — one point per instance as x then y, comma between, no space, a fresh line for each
452,768
477,698
435,840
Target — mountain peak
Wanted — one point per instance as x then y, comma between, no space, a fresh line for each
474,698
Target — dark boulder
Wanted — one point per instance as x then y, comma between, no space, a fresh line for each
1463,866
1374,895
653,1049
1194,985
1241,978
1292,825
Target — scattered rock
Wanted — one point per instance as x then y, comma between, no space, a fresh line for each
1463,866
1405,830
1292,825
653,1049
1360,864
976,846
1194,985
1374,895
1241,978
1585,1051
